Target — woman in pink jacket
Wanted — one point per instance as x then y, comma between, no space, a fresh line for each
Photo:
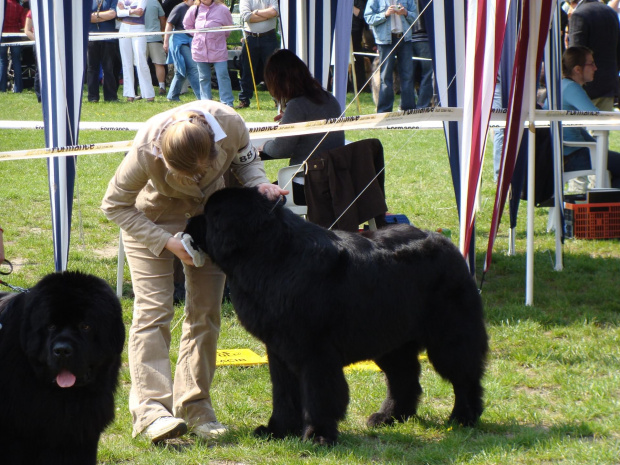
209,48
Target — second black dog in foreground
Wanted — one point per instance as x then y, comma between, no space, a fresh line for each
321,300
60,355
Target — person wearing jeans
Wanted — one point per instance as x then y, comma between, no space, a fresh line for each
209,48
389,22
178,48
14,20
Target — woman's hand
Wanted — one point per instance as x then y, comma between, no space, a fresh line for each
175,246
271,191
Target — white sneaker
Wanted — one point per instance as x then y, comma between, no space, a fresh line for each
209,430
165,428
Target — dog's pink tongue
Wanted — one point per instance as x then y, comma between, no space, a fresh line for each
65,379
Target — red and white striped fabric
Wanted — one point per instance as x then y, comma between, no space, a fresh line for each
486,25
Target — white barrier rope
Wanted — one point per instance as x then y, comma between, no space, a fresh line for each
97,36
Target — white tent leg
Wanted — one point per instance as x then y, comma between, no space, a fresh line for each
511,242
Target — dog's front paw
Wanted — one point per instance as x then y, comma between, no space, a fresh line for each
320,438
379,419
263,432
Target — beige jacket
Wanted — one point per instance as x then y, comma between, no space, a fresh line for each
142,191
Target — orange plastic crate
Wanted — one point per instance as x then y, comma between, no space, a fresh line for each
592,220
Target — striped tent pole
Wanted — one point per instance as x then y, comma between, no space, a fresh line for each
315,31
61,29
553,65
445,24
486,25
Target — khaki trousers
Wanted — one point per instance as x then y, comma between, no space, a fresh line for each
153,393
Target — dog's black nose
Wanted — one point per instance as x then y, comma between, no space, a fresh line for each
62,350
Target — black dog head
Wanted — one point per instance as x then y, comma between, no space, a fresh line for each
232,221
72,327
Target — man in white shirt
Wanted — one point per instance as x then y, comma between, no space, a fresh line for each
260,19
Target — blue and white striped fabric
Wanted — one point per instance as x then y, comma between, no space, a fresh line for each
445,22
61,29
317,30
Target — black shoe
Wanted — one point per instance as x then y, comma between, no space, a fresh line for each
93,101
162,91
243,104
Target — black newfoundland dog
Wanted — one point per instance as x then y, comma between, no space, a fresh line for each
321,300
60,354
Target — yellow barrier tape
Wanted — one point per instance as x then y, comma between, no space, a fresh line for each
427,118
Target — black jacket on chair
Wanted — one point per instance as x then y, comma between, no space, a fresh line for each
334,179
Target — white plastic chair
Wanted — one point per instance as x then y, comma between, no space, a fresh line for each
569,175
285,181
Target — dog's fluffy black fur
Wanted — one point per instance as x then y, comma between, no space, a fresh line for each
321,300
60,355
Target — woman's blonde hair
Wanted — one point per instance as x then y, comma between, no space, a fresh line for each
187,144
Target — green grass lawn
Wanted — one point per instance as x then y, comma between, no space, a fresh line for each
552,385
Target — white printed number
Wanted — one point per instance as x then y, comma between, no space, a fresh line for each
245,155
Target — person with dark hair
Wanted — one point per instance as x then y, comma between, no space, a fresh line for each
578,68
300,98
176,163
595,25
179,50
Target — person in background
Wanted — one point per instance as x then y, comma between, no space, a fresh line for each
14,20
578,68
102,53
155,21
594,25
389,21
358,25
178,48
259,19
301,98
133,49
168,6
176,163
422,61
209,48
29,31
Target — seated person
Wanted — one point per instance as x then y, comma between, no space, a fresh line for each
301,98
578,67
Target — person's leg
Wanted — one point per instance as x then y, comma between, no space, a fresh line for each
191,72
246,82
360,71
149,336
386,89
195,368
142,66
16,59
405,71
175,86
421,49
204,76
613,165
223,83
126,50
94,57
110,82
4,68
